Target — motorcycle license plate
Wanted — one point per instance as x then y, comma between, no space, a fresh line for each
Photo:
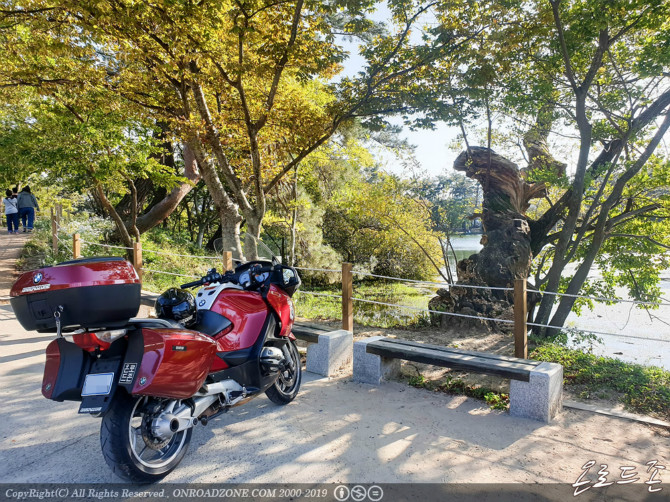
97,384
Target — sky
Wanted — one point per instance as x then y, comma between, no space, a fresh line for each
432,146
432,151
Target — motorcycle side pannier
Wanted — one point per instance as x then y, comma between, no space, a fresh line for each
89,293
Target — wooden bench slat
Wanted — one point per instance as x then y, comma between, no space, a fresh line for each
307,333
487,355
427,355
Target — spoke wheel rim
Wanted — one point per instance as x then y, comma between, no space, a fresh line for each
148,457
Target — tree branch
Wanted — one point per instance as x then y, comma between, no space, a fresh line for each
281,65
642,237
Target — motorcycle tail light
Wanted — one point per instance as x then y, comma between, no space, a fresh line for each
111,335
98,340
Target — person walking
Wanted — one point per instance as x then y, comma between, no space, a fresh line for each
27,206
11,212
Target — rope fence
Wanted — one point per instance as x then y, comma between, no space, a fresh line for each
442,284
318,269
589,331
483,318
169,273
337,297
480,318
104,245
347,297
163,253
607,300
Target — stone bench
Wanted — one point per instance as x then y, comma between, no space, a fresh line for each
536,388
327,351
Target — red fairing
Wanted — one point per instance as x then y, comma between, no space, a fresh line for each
175,363
51,369
247,311
283,305
75,275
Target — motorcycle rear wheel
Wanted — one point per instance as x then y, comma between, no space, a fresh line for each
284,390
125,449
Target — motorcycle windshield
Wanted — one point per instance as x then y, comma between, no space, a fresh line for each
253,249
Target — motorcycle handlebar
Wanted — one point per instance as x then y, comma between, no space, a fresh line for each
204,280
191,284
220,278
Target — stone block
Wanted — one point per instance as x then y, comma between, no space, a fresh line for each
540,398
371,368
332,352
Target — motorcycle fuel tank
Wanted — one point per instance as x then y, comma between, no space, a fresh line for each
247,311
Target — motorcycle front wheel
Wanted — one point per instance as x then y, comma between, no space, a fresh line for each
284,390
129,446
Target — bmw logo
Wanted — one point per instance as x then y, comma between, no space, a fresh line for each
37,278
201,303
143,380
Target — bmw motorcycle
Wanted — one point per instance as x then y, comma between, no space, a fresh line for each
153,380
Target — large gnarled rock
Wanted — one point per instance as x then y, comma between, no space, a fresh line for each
506,254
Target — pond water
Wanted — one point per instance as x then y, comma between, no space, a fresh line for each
637,335
464,246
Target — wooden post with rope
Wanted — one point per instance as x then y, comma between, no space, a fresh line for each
137,258
347,295
227,261
54,233
520,315
76,246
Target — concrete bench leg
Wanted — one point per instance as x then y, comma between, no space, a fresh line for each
330,353
540,398
371,368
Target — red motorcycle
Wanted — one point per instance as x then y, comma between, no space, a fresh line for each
153,380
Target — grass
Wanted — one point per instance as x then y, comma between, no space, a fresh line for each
452,385
368,314
159,250
642,389
37,252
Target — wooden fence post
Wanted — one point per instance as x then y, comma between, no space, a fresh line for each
54,232
520,315
347,295
76,246
227,260
137,258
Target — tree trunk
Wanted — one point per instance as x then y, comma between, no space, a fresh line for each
506,254
228,211
215,236
167,205
252,237
294,217
118,221
230,235
201,234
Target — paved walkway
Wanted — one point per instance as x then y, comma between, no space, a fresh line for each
10,249
335,431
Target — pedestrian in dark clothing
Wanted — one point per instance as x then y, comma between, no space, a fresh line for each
27,206
11,212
